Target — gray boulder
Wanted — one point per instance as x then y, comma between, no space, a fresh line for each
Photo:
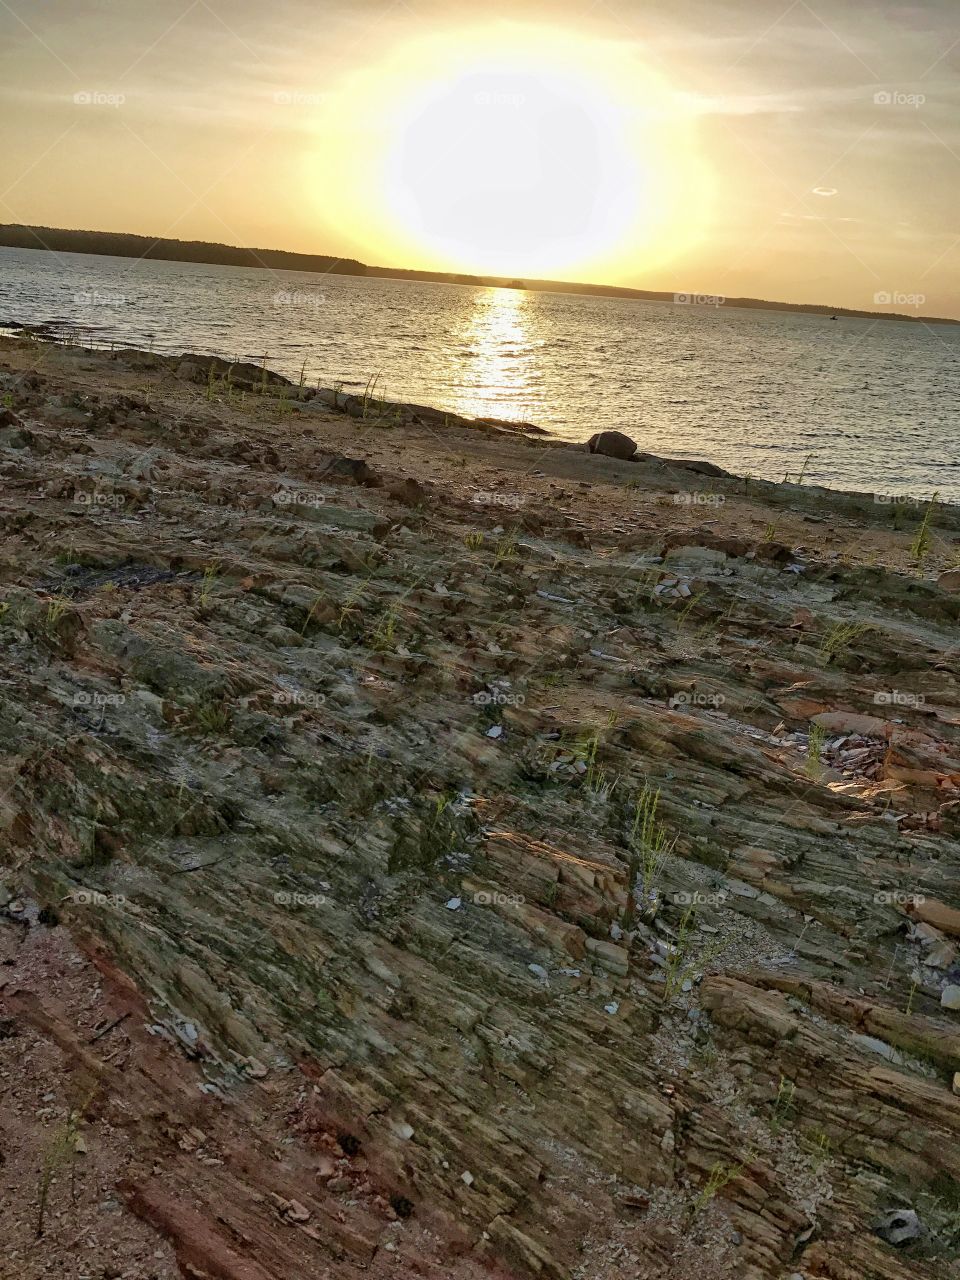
614,444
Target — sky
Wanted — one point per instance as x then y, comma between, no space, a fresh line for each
791,151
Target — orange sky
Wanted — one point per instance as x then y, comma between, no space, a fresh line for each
807,153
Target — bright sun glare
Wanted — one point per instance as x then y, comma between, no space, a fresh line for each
510,150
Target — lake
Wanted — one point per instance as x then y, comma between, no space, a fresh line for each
852,403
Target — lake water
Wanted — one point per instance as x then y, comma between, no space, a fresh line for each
875,404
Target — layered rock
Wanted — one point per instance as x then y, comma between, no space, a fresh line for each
503,870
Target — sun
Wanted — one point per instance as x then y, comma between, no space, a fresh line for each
510,150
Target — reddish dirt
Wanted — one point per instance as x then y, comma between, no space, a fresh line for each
146,1176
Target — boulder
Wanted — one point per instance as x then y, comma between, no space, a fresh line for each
614,444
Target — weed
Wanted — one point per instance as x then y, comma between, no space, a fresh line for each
55,611
817,1145
684,612
212,716
817,737
680,964
349,607
720,1174
506,549
420,846
473,541
63,1149
313,609
368,392
384,633
840,637
783,1105
913,991
649,845
803,471
206,587
920,547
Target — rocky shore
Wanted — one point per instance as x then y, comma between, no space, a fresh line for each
431,849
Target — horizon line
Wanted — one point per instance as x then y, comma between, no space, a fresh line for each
324,264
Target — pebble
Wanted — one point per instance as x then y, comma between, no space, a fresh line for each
454,904
612,1007
495,731
467,1177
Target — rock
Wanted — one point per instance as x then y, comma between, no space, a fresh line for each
851,722
355,469
610,956
950,997
613,444
956,1083
949,581
191,371
408,491
932,911
898,1227
941,955
297,1212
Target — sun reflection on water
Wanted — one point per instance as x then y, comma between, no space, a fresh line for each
492,358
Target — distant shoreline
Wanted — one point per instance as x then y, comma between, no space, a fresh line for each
123,245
